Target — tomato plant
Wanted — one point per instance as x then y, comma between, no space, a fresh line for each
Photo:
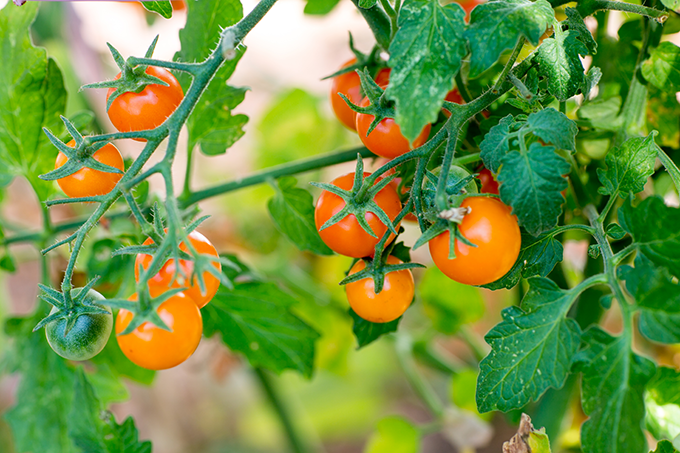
173,276
493,230
132,111
387,305
88,334
155,348
88,182
347,237
530,309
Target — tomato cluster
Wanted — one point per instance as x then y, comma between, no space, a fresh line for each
487,223
152,347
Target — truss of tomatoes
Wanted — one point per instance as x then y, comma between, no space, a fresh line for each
488,223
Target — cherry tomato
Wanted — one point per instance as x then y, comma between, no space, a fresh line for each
87,337
150,107
455,97
388,304
489,183
178,5
347,237
386,139
349,84
154,348
165,278
494,230
87,182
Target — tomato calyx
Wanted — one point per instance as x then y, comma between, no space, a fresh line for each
145,309
377,269
371,61
132,78
80,156
359,201
70,305
379,107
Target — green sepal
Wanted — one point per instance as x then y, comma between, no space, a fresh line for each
150,314
377,270
78,306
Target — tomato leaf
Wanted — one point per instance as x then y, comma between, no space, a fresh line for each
657,297
553,127
44,396
164,8
211,124
320,7
448,313
255,319
367,3
654,227
497,25
576,25
112,358
292,210
532,349
394,435
665,446
93,429
496,143
559,62
629,166
613,384
537,258
662,69
530,182
671,4
663,115
366,332
425,55
32,96
662,404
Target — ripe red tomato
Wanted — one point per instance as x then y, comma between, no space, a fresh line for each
165,278
390,303
386,139
489,183
349,84
154,348
87,182
150,107
494,230
347,237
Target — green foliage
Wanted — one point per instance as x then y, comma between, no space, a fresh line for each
255,319
32,96
629,166
665,447
661,403
614,379
532,349
394,435
506,21
559,62
449,304
366,332
164,8
211,125
425,55
662,69
320,7
292,210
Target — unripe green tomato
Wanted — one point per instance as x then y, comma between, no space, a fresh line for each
87,337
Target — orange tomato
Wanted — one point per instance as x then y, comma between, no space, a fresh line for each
166,277
154,348
87,182
390,303
347,237
495,232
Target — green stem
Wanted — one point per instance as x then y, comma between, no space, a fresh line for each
575,226
292,168
607,208
275,399
671,168
187,174
508,66
623,254
404,348
378,22
586,8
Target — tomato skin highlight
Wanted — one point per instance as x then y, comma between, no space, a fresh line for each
349,84
347,237
395,297
386,139
494,230
87,182
150,107
164,278
87,337
153,348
